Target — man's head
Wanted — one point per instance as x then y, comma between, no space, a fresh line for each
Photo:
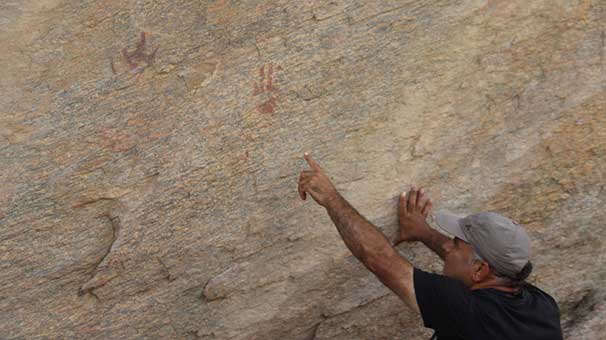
487,247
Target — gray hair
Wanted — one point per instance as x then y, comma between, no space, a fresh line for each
517,281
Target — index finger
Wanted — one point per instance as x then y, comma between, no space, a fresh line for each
312,163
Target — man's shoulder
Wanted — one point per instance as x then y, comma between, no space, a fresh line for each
431,282
540,294
527,291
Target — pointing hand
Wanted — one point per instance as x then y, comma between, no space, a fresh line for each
316,183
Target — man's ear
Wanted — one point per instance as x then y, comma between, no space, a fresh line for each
481,269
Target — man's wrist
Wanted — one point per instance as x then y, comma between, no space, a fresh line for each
334,201
434,240
423,233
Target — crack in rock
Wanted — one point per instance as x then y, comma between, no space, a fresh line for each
108,266
312,336
92,201
581,308
169,276
99,277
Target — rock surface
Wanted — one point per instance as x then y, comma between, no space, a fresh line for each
150,152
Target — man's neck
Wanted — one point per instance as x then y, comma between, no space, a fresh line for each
494,284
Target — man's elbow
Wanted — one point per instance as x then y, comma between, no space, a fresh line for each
395,272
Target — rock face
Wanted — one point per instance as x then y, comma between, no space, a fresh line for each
150,152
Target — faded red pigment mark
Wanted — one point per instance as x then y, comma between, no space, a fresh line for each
244,157
133,59
266,86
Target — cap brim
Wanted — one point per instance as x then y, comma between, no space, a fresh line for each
449,222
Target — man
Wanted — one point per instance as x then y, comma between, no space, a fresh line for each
482,294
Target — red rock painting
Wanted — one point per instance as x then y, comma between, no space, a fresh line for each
265,87
135,58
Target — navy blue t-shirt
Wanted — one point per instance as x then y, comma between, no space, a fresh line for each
456,312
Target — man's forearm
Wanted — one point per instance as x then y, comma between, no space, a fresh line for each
359,235
435,241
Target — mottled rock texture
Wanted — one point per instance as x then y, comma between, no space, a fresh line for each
150,150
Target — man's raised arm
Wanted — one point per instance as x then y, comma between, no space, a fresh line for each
366,242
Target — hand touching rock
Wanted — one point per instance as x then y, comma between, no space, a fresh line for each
413,210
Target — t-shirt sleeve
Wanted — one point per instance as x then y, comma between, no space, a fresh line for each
445,303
